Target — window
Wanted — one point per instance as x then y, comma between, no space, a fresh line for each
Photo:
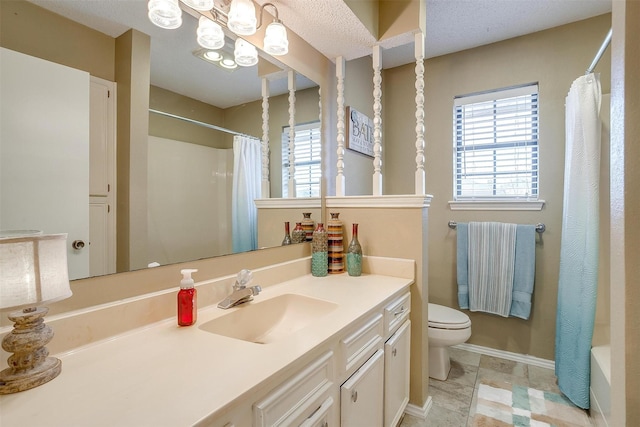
307,160
496,145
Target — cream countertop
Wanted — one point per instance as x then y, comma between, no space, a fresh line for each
165,375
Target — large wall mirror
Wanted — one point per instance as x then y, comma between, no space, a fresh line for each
189,165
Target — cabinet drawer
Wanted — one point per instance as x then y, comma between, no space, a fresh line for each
357,347
396,313
321,416
297,398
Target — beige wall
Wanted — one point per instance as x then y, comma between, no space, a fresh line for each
30,29
167,127
553,58
358,94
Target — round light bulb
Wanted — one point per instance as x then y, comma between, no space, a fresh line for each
212,55
228,63
165,13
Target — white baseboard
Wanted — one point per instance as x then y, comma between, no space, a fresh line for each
516,357
419,412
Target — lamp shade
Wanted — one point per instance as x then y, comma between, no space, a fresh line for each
245,54
199,4
33,270
242,17
275,39
210,34
165,13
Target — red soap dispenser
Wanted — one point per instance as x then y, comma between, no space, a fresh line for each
187,299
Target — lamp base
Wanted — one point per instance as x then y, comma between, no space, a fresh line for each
29,365
14,382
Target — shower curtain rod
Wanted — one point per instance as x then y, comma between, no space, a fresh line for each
199,123
605,43
540,228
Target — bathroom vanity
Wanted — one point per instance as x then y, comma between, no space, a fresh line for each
306,351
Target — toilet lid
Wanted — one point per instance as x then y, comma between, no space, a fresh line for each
442,317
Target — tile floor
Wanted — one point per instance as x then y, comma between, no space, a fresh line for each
454,399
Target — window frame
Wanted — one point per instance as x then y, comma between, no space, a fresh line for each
527,92
312,187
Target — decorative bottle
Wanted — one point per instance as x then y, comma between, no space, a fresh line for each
298,235
354,254
319,248
187,299
308,225
287,236
336,248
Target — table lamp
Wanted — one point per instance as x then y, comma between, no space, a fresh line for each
33,271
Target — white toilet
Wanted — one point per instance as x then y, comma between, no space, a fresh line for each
447,327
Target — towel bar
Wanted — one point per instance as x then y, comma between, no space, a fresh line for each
540,228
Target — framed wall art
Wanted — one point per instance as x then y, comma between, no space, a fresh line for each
359,132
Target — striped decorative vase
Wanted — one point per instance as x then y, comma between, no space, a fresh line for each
336,248
308,225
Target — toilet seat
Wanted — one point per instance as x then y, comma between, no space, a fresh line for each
441,317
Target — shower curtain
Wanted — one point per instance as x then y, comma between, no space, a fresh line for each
577,284
246,188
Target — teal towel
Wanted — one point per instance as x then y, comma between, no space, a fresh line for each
525,269
524,278
463,265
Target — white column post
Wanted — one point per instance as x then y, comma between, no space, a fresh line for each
420,184
292,133
340,73
377,120
266,188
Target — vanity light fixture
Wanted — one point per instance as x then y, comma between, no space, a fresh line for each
33,271
241,20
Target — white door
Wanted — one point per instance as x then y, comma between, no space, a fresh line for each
44,151
102,177
397,351
361,395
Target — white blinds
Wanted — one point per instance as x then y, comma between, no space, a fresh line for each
307,160
496,144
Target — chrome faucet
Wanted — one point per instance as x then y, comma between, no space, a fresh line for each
241,293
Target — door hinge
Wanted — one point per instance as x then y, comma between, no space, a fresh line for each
108,94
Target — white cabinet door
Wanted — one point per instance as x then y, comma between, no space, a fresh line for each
361,396
44,146
396,374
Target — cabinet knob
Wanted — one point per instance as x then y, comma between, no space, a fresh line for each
77,244
394,352
354,395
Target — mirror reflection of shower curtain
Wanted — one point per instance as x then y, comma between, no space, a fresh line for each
578,279
247,161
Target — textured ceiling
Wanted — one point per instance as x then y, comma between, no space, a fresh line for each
328,25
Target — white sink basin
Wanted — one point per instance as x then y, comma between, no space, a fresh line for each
267,321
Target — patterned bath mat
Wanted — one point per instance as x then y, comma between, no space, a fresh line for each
503,404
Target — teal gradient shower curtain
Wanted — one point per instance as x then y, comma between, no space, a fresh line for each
578,280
